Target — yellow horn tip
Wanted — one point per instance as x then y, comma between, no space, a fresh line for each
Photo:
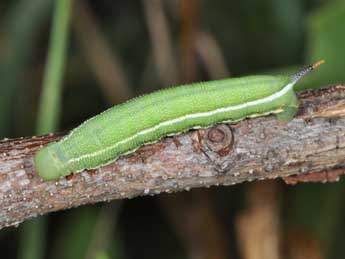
318,63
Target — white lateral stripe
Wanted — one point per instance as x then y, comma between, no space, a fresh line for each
185,117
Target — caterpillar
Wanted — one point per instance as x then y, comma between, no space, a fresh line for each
125,127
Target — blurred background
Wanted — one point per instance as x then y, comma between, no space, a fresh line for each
64,61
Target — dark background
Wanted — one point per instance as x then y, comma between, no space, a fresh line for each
121,49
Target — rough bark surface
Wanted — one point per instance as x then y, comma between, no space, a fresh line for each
255,149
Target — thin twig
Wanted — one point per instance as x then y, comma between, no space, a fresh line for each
102,59
211,55
162,49
255,149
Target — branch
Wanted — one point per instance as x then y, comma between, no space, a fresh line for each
254,149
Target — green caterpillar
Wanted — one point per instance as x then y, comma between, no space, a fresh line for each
146,119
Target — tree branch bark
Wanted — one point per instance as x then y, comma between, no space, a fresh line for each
255,149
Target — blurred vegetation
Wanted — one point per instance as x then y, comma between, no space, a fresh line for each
119,49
